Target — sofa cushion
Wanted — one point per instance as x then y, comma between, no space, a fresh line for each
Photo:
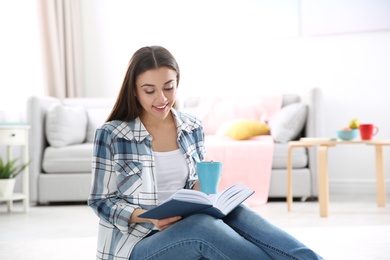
96,118
215,111
69,159
66,125
242,129
288,123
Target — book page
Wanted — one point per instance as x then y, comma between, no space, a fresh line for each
231,197
193,196
225,194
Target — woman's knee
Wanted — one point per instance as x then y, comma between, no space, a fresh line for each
205,226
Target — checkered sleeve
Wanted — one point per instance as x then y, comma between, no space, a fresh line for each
103,199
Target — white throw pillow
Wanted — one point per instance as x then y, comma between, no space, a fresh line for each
96,118
66,125
288,123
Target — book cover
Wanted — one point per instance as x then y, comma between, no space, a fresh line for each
186,202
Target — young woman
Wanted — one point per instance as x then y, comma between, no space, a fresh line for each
145,152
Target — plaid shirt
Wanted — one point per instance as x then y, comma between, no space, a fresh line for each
124,178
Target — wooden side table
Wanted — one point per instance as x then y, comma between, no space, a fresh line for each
15,135
323,181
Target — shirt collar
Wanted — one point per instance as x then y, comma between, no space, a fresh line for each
136,130
181,123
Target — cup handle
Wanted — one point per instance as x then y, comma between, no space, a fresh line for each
376,130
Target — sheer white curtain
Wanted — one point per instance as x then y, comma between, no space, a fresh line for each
62,47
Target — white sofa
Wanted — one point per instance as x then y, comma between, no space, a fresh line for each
61,147
63,173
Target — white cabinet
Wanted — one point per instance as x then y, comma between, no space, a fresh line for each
16,135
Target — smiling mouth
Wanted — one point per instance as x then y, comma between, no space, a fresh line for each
161,107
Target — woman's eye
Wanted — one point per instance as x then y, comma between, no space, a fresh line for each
169,89
149,92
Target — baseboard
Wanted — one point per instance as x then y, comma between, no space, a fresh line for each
355,186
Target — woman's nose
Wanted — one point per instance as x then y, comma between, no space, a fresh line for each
160,96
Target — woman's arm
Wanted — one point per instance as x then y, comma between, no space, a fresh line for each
102,198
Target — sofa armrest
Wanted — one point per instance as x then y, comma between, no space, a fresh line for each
37,108
315,118
314,128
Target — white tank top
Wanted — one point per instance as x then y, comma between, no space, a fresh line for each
171,171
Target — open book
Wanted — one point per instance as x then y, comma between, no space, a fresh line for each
186,202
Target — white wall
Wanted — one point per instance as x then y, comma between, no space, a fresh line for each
259,46
205,37
20,58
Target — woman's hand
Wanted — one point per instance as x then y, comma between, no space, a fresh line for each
160,224
196,186
164,223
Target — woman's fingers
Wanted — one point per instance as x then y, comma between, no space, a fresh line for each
162,224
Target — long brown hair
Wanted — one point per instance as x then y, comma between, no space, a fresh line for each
127,106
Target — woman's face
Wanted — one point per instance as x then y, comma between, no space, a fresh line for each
156,92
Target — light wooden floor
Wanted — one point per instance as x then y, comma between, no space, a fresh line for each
355,229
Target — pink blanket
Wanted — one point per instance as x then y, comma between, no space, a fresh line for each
248,161
215,111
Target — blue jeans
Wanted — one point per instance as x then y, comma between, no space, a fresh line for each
243,234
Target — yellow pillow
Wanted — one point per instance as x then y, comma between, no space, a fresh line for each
242,129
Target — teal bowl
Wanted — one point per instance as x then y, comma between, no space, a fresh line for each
347,135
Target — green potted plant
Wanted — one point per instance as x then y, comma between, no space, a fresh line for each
8,172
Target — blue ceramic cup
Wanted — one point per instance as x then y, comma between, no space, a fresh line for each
209,174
